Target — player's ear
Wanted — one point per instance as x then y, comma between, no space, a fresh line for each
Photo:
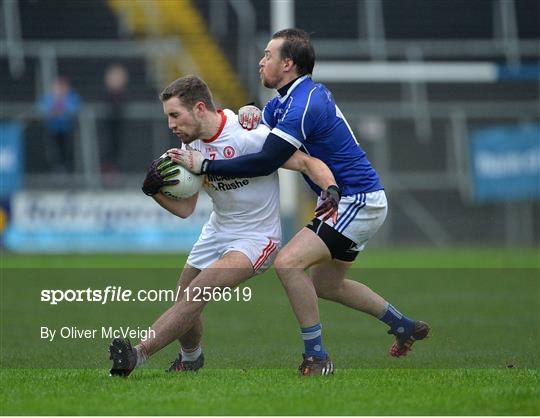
288,64
199,108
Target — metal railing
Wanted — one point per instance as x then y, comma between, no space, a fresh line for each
431,49
403,185
246,56
13,39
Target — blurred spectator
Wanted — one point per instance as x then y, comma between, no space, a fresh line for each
116,80
59,108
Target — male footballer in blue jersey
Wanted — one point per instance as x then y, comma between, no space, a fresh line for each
303,116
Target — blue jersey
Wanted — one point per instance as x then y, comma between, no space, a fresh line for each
308,118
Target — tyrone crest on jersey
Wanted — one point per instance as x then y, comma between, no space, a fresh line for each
229,152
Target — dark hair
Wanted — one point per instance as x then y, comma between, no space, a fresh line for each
297,47
190,90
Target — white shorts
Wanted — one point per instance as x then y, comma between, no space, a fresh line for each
213,245
360,216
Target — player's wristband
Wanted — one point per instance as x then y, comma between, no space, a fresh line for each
204,166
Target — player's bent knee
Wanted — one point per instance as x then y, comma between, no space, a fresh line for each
280,263
286,261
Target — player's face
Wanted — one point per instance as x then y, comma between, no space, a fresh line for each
271,65
182,121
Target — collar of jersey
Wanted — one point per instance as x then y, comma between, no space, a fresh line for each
221,126
284,98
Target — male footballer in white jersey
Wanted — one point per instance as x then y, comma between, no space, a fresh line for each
243,233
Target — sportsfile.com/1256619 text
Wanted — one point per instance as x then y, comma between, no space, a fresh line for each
111,294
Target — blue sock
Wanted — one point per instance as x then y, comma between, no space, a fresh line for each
313,341
399,323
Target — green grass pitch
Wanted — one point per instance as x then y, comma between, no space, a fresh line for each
482,359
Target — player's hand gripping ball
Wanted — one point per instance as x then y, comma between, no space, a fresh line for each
249,117
170,179
189,158
181,182
154,181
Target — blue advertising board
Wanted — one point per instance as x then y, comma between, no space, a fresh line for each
105,221
505,162
11,159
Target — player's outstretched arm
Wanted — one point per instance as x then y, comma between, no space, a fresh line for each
274,153
181,208
312,167
321,175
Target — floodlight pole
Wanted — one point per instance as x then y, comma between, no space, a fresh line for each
282,17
